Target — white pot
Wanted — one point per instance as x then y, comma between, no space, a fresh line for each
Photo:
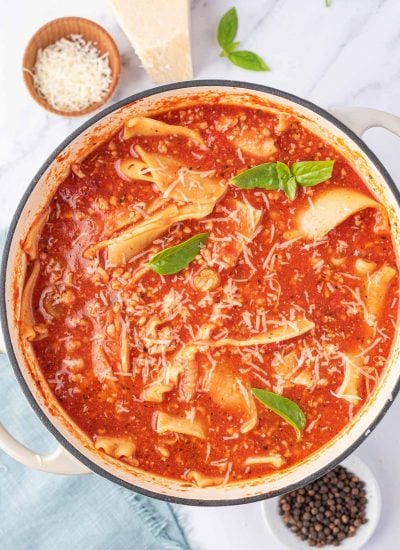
76,455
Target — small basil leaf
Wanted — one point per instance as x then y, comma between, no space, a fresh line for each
227,28
283,407
289,188
312,172
264,175
175,258
248,60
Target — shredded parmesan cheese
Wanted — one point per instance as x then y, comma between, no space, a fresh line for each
71,74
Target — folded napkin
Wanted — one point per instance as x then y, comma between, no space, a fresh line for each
40,511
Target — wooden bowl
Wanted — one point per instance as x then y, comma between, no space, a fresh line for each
64,27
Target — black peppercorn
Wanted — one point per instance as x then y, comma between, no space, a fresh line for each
326,511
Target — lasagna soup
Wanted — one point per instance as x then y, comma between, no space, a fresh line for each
211,294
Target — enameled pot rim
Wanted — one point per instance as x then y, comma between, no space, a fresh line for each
3,312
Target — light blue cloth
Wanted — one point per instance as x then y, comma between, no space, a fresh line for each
40,511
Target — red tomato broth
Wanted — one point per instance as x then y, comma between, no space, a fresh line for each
87,209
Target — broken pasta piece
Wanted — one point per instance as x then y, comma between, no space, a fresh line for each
377,286
180,182
297,328
254,143
31,242
332,207
26,311
349,389
144,126
287,370
232,394
117,447
201,480
134,169
195,427
132,241
274,460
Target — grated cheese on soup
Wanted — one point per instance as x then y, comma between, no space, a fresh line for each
72,74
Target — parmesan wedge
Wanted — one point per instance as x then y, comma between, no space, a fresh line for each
159,30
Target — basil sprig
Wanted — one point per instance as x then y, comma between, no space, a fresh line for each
226,34
175,258
283,407
278,175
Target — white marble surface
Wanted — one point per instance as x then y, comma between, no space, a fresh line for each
347,54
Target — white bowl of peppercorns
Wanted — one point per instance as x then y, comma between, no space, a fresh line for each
341,508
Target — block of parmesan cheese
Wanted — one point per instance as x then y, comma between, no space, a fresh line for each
159,30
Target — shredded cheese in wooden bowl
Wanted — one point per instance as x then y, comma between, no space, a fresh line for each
71,66
71,74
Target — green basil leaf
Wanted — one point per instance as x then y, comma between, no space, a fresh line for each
248,60
175,258
289,188
312,172
284,407
227,28
229,48
264,175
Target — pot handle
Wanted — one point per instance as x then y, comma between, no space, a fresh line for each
360,119
58,462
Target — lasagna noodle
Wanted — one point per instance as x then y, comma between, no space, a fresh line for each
292,330
31,242
117,447
254,143
101,366
349,389
332,207
245,220
232,394
250,140
166,422
149,127
134,240
27,318
364,267
135,169
287,371
179,182
377,285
